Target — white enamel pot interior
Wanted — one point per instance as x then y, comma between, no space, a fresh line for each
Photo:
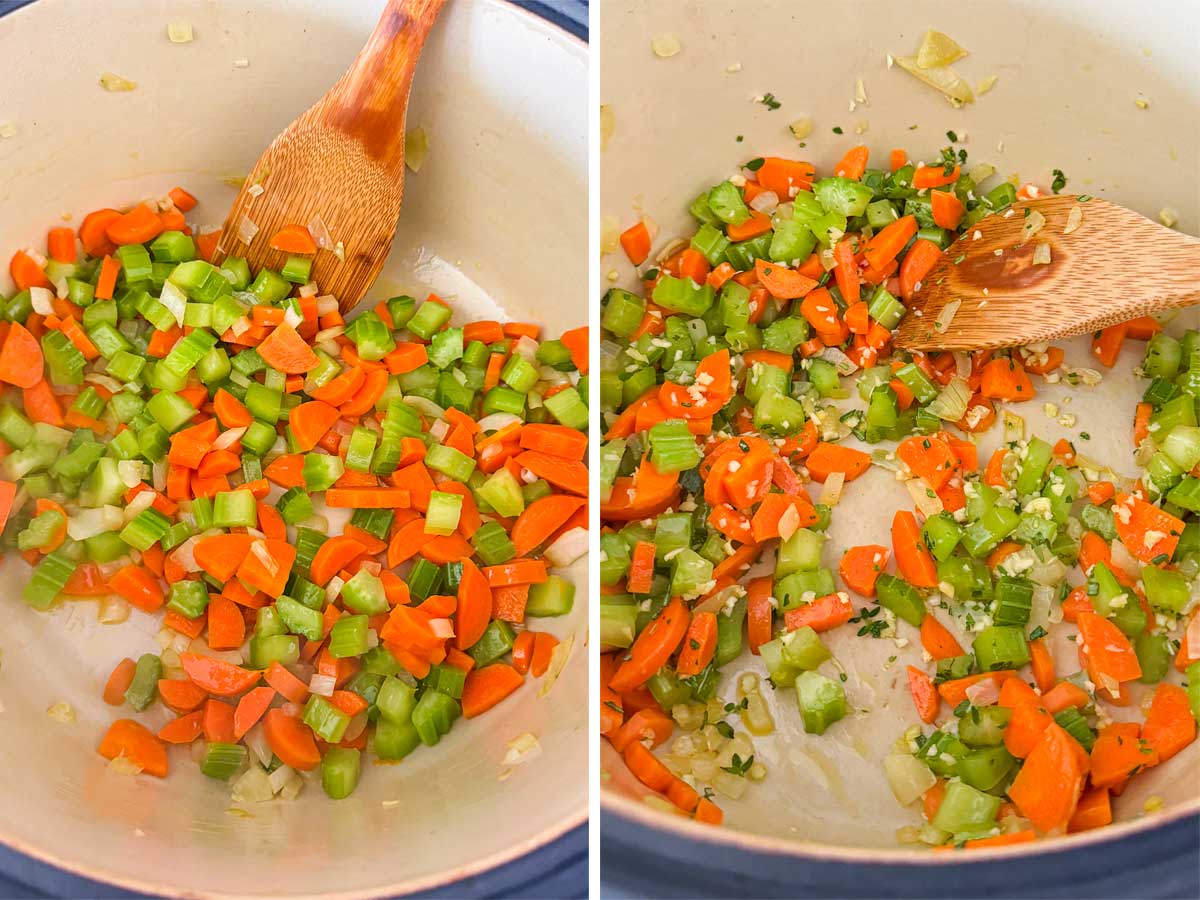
495,220
1069,76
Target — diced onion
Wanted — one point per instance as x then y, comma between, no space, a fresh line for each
42,300
104,381
941,78
329,334
951,402
1041,254
326,304
281,777
308,290
946,316
227,439
496,421
558,659
610,235
802,128
665,46
428,407
1033,223
110,81
526,347
831,491
185,555
246,229
983,693
765,202
569,547
123,765
908,777
158,475
263,555
292,317
608,124
240,326
252,786
137,504
1193,638
61,712
88,523
256,741
439,430
522,749
174,299
416,148
113,610
179,32
962,364
132,472
938,49
1074,219
920,493
841,362
322,685
320,234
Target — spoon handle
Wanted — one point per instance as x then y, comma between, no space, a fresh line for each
369,102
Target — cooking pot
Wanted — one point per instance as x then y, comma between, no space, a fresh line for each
1105,91
494,219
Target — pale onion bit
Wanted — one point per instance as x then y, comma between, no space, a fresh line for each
831,490
665,46
802,128
1041,254
608,124
923,497
946,316
180,32
322,685
42,300
247,229
320,234
416,148
1074,219
522,749
569,547
114,83
1034,221
610,235
558,659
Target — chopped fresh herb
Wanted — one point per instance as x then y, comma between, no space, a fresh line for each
1059,182
755,164
769,101
738,765
1038,632
959,258
725,730
1085,435
740,138
614,707
952,137
1084,198
837,129
650,274
961,709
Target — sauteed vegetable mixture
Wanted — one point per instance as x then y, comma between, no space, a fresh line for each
349,529
745,387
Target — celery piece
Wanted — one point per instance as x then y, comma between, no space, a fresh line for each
821,700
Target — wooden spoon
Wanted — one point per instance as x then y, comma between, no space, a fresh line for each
1113,266
342,160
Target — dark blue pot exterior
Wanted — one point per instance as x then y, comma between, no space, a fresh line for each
644,862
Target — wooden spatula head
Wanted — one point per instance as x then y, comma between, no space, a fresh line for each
1106,265
341,163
